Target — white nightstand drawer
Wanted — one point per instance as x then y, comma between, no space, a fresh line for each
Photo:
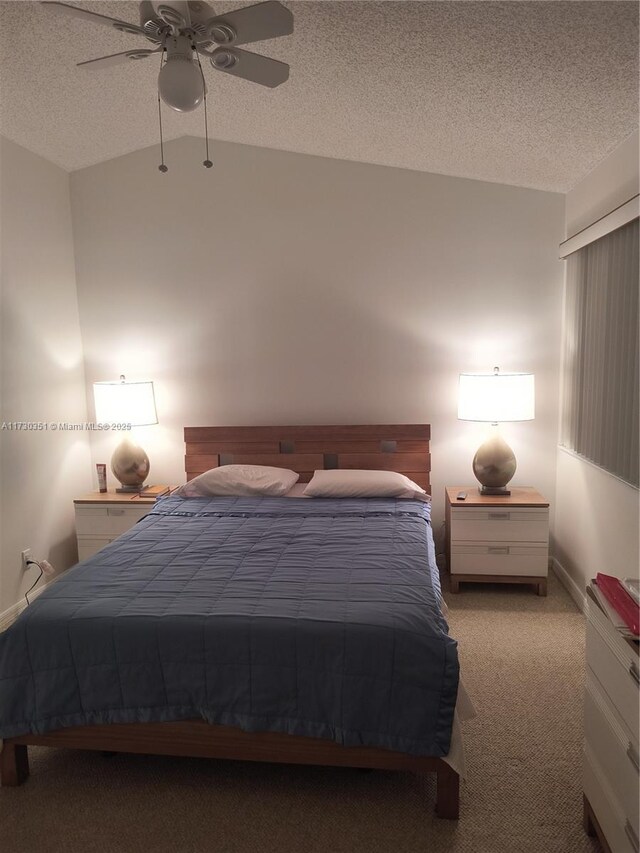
90,545
621,835
512,524
499,558
615,750
108,520
616,671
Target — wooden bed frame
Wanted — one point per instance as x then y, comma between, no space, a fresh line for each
403,448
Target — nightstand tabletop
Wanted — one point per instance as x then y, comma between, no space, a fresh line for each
520,496
113,497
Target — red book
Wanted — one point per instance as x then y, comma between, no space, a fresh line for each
621,601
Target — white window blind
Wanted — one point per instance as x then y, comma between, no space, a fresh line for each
601,394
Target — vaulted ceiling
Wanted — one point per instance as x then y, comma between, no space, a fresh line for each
527,93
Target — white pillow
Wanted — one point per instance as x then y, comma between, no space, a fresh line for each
233,480
296,491
344,483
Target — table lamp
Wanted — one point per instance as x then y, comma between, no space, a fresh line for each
493,398
132,403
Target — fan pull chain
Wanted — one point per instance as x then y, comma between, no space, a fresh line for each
206,163
162,166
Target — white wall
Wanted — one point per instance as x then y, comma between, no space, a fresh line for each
596,523
41,376
281,288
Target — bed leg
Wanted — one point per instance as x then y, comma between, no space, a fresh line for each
14,764
447,793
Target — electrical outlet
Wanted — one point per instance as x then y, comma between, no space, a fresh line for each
26,555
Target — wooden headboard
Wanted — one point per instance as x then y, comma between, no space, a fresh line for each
391,447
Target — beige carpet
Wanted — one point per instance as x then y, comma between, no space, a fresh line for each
522,658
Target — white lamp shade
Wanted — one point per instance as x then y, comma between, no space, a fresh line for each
125,403
496,397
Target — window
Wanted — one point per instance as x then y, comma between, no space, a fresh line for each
600,397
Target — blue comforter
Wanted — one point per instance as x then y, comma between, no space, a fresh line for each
315,617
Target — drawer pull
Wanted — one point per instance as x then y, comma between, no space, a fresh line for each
634,673
500,516
631,835
496,550
115,512
633,756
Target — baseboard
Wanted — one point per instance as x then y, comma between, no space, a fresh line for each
569,584
9,616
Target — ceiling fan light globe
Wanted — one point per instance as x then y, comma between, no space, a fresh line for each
180,85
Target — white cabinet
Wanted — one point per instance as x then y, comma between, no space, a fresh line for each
101,518
612,707
497,538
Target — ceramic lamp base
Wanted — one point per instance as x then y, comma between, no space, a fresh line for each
130,466
494,465
487,490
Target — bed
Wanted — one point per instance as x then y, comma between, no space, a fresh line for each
214,628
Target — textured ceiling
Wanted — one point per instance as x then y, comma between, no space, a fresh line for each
526,93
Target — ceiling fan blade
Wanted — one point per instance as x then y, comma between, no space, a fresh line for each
176,13
153,27
254,23
200,11
147,11
250,66
123,26
116,58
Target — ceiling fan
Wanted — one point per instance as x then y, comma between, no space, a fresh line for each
183,31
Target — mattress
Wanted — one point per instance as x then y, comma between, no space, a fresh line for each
315,617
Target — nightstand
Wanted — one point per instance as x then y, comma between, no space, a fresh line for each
103,516
496,539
